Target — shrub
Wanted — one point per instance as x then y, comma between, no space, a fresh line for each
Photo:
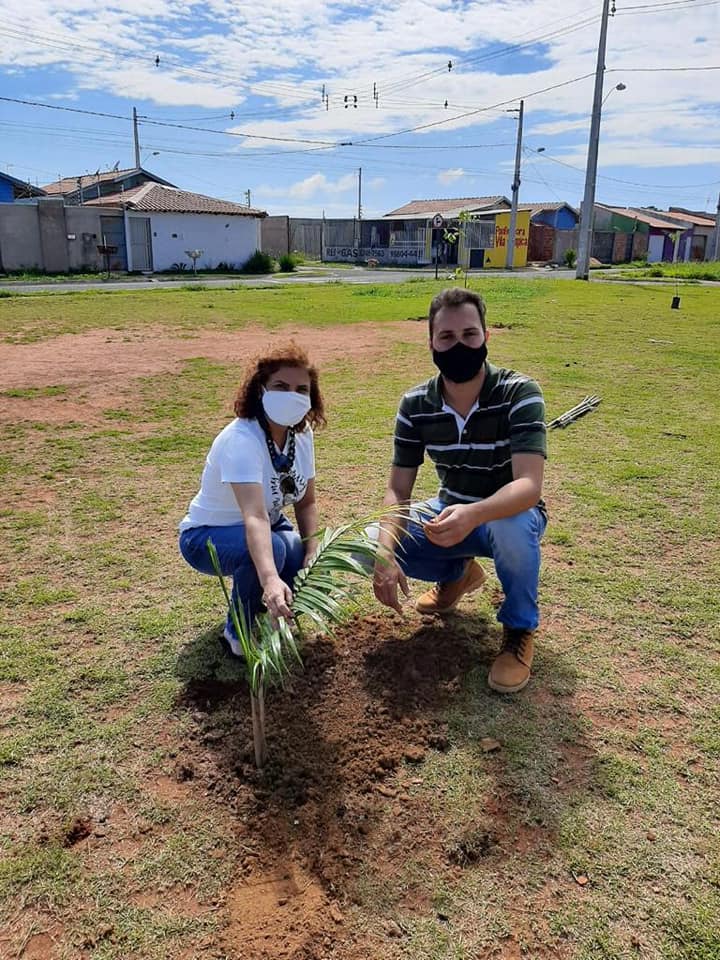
287,263
259,262
570,258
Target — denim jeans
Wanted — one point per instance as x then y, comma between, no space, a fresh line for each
514,545
235,560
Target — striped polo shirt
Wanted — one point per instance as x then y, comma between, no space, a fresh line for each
472,457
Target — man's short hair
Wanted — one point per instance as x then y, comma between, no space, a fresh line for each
455,297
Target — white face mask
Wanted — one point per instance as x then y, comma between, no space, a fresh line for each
285,407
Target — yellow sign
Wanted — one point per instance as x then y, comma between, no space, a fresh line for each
496,256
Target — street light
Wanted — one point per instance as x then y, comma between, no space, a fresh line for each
155,153
619,86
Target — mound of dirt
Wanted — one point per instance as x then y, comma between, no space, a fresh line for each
347,741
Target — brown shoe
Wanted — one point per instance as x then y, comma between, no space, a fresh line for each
443,597
510,671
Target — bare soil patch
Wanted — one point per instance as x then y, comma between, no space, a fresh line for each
97,365
340,809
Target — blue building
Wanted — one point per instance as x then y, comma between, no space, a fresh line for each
553,229
12,189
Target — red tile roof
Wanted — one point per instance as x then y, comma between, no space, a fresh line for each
653,218
70,184
697,219
446,205
155,198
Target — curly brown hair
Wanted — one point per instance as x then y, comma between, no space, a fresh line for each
248,399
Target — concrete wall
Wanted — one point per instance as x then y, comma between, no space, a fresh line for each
222,238
275,233
49,236
20,237
53,235
564,240
282,235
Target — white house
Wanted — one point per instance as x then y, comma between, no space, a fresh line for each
163,223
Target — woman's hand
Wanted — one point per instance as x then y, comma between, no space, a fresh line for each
277,597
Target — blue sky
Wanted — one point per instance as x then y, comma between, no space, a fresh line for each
250,79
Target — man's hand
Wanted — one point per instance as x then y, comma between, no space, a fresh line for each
451,525
277,597
388,577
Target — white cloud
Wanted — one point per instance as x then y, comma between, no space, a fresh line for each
316,185
222,55
450,176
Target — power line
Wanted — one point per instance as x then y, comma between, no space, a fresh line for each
667,5
632,183
503,51
165,123
470,113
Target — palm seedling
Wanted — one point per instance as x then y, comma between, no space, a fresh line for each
321,593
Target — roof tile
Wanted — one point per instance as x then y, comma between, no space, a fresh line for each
155,198
445,205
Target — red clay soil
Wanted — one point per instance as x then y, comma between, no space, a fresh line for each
337,806
99,364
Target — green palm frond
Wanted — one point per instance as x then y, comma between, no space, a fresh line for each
323,590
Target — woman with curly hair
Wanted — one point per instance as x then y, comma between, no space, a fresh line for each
260,463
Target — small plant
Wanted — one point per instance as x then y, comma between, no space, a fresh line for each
287,263
259,262
179,267
570,258
318,595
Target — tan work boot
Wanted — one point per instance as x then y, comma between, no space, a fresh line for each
443,597
510,671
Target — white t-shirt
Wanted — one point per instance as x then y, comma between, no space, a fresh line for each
239,454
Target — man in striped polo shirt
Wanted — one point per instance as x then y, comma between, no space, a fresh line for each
484,429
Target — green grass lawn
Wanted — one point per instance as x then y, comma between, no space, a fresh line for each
605,790
681,271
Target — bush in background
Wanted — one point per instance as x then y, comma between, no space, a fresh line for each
570,258
259,262
287,262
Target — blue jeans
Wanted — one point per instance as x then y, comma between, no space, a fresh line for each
235,560
514,545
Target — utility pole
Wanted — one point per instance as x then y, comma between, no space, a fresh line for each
510,247
136,139
247,197
358,232
716,235
587,215
80,189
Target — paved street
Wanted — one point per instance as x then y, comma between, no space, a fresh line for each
303,275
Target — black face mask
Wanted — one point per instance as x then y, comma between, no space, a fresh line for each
460,363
